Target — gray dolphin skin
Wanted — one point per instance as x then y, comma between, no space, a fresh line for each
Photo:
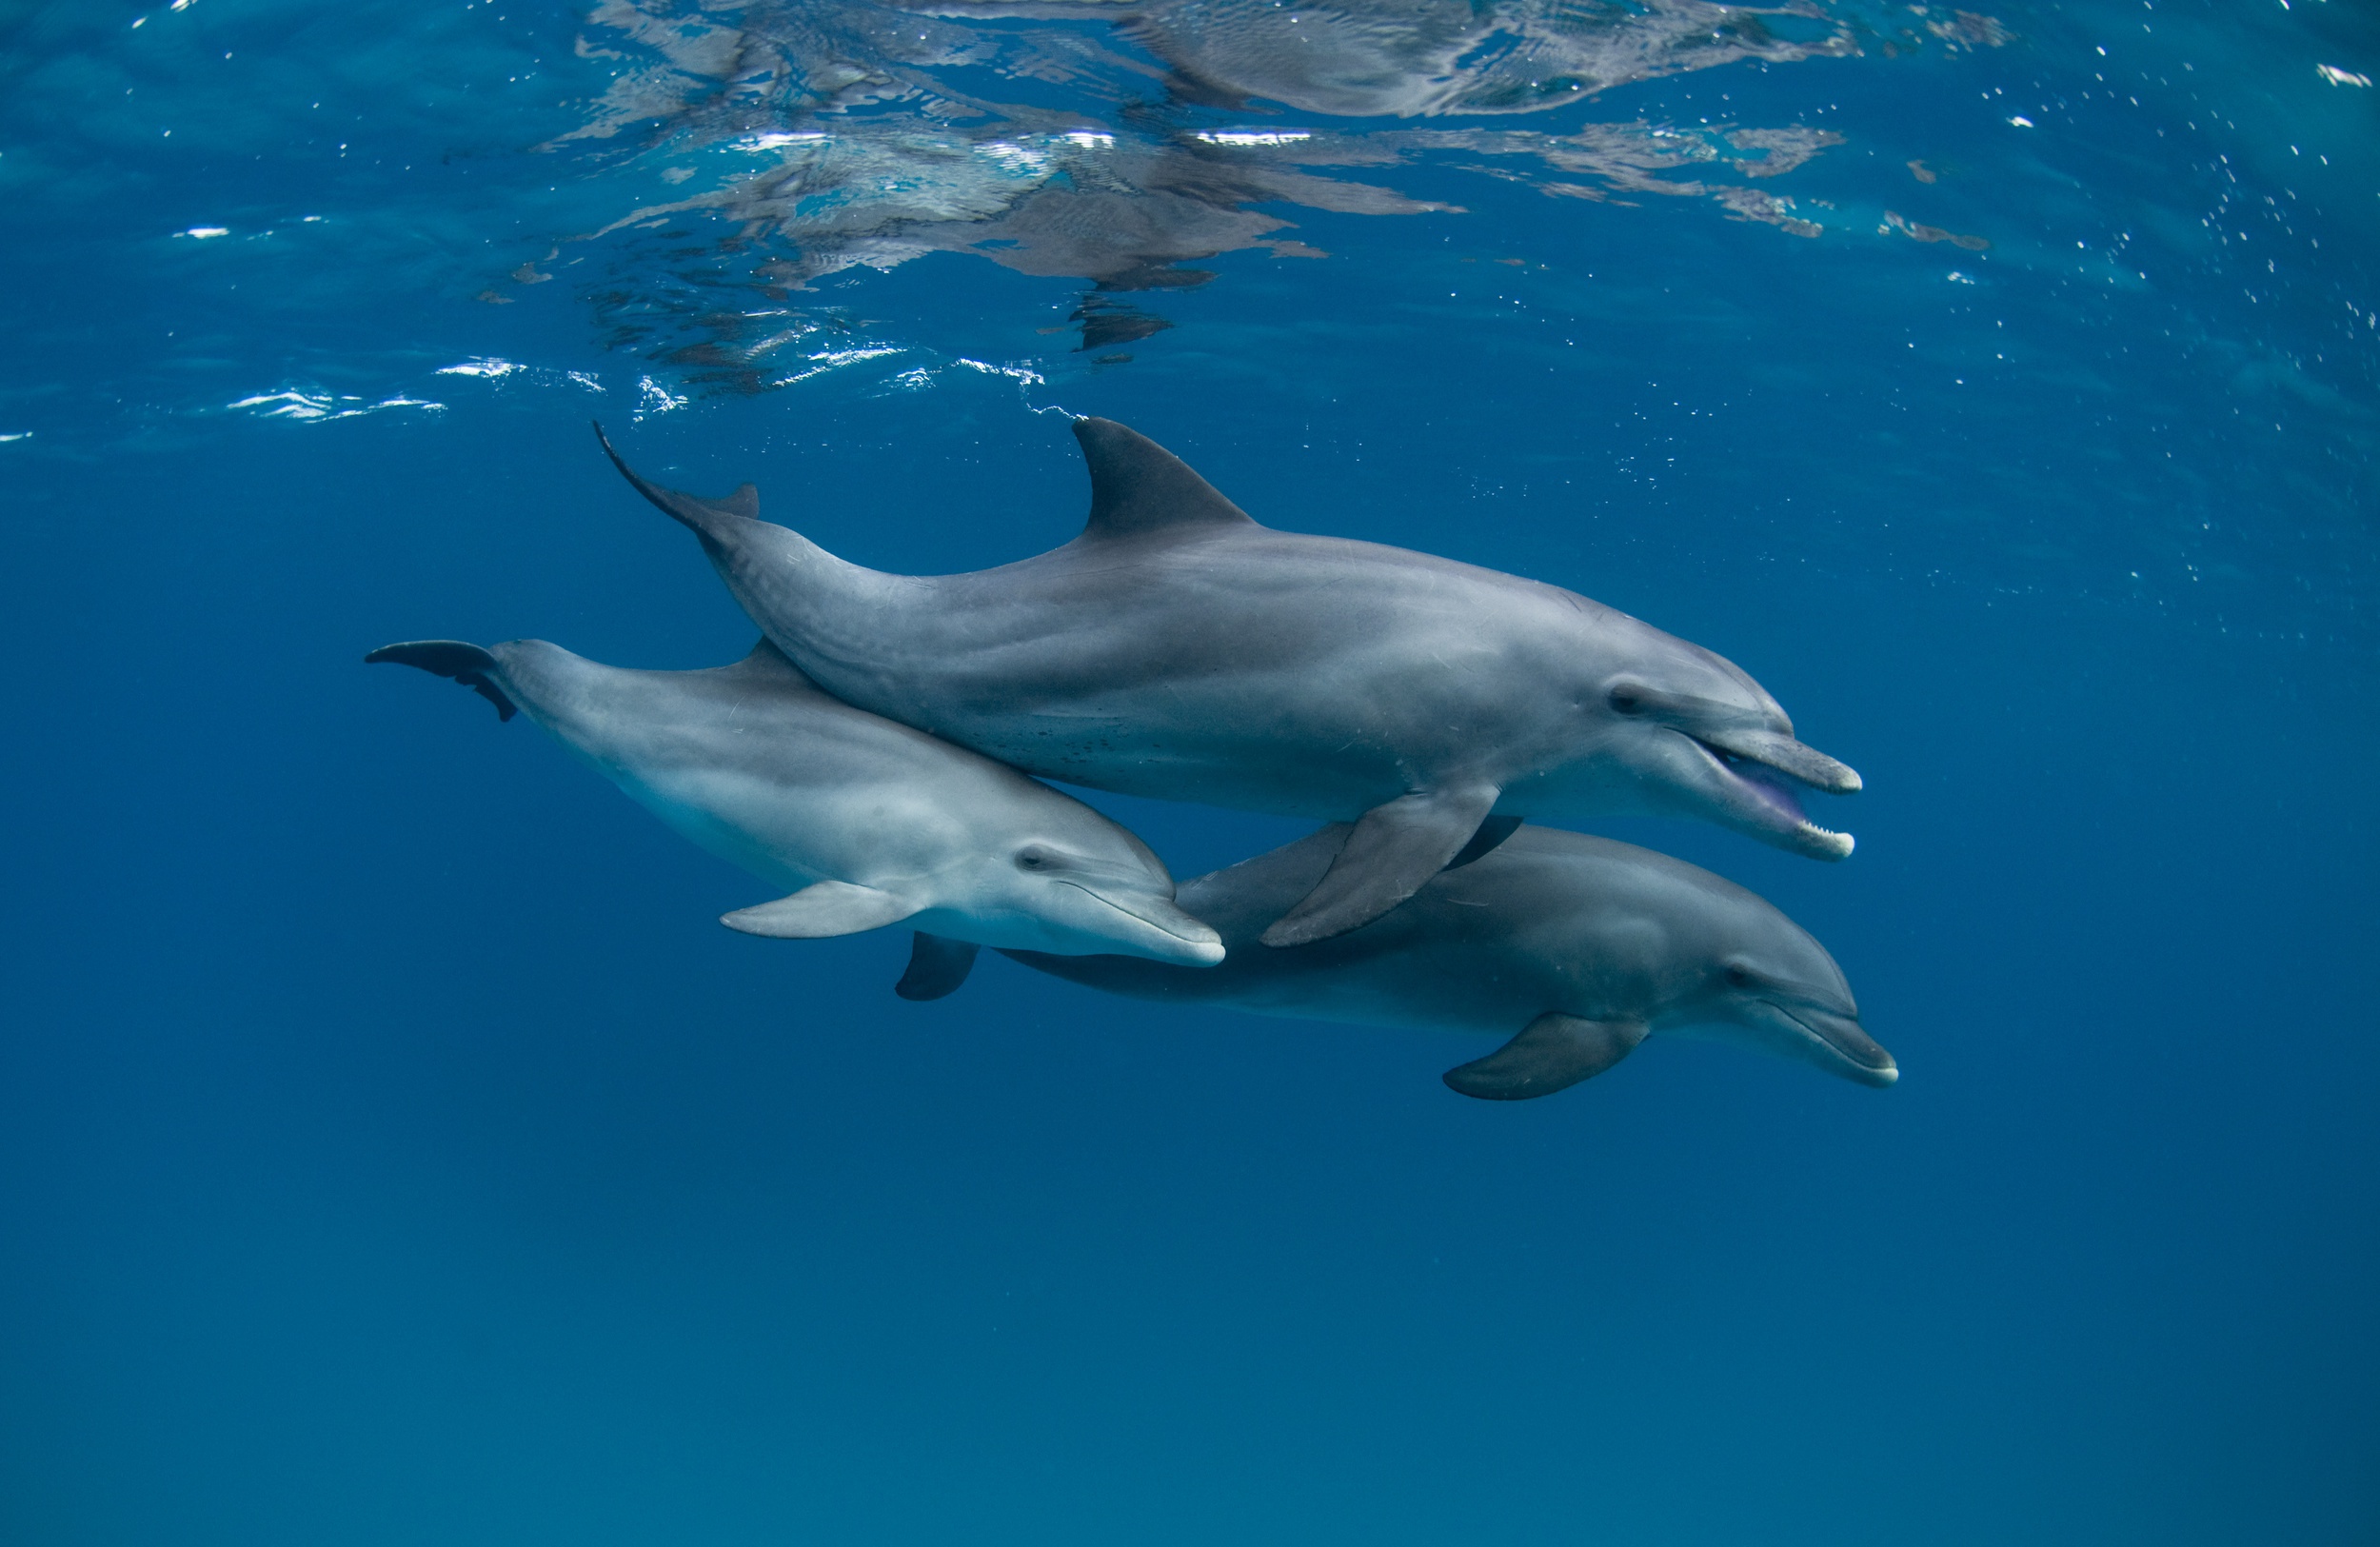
864,822
1178,649
1577,948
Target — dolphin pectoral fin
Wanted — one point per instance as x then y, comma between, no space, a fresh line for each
1391,853
1491,833
1136,485
450,658
700,514
831,907
937,966
1552,1053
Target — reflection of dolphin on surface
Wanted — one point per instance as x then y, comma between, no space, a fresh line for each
1178,649
838,133
870,821
1411,58
1584,946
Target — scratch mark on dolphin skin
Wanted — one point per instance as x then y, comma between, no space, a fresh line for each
1110,569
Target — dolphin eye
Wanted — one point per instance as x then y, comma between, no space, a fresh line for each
1627,699
1739,976
1031,859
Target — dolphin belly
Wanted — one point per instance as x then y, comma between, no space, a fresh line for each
726,817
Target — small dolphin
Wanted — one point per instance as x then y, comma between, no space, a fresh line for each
1584,946
868,821
1178,649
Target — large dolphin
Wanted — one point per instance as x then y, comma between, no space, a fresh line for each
866,822
1178,649
1577,948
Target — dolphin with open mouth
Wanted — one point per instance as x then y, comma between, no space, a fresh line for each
866,822
1178,649
1575,948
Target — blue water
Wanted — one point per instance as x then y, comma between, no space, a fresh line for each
394,1150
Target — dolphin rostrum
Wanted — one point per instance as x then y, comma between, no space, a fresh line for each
1178,649
1577,948
866,822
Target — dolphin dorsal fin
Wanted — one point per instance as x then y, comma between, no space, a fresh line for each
769,665
1138,487
744,503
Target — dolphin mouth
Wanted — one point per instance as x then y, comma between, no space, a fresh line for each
1859,1055
1198,945
1768,773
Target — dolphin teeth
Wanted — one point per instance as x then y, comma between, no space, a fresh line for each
1837,845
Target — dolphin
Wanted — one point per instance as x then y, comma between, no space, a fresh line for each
1577,948
1178,649
866,822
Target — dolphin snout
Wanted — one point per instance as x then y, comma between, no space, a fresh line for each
1814,841
1787,756
1760,776
1192,953
1165,932
1194,943
1843,1046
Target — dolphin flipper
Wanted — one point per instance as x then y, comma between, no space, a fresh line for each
465,664
937,966
831,907
1485,842
1552,1053
1391,855
700,514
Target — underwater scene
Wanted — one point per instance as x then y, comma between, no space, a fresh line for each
1481,771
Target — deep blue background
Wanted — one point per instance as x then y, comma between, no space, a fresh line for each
394,1150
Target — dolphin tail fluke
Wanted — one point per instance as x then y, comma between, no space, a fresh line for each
700,514
465,664
1391,853
937,966
1552,1053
